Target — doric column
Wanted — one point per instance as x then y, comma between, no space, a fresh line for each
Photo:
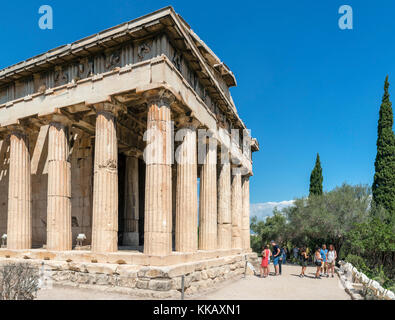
105,182
158,185
186,192
173,205
236,208
131,213
59,189
224,207
245,226
208,199
19,229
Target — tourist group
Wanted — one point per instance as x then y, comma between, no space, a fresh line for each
323,259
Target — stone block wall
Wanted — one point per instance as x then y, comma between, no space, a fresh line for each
359,286
145,281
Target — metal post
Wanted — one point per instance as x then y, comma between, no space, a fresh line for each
182,286
245,269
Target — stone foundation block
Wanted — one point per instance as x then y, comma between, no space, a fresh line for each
160,285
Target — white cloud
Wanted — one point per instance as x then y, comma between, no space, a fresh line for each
263,210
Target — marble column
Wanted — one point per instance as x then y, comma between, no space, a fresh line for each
224,207
59,189
186,192
19,228
208,200
131,213
236,209
105,183
158,184
245,226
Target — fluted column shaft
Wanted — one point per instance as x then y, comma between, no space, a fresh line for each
158,185
59,189
186,194
131,211
105,185
245,232
208,201
224,207
236,210
19,228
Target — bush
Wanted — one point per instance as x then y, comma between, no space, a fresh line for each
18,281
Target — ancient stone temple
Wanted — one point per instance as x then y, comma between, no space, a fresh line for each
78,159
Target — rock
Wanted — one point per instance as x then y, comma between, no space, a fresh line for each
389,295
142,284
101,268
152,272
160,285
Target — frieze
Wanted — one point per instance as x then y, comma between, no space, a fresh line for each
113,60
61,76
105,61
143,50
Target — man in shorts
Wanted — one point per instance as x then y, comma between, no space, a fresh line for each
324,256
276,252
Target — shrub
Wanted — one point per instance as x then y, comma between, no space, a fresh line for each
358,263
18,281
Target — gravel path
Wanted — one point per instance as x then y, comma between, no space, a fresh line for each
288,286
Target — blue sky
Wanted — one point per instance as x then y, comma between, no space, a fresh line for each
304,85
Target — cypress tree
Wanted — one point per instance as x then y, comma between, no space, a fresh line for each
383,187
316,178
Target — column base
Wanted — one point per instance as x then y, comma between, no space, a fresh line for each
130,239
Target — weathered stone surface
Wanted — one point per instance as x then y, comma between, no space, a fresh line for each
186,235
104,268
105,187
19,229
142,284
236,210
59,189
160,285
224,207
158,201
208,200
144,280
245,220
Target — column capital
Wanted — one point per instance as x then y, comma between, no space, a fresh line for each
60,120
58,117
19,131
112,108
159,97
19,127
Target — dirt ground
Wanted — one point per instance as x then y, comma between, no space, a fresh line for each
288,286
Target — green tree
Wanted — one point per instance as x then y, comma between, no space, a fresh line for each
329,217
370,247
383,187
273,228
316,178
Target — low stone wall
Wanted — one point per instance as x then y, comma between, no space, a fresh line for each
158,282
359,286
